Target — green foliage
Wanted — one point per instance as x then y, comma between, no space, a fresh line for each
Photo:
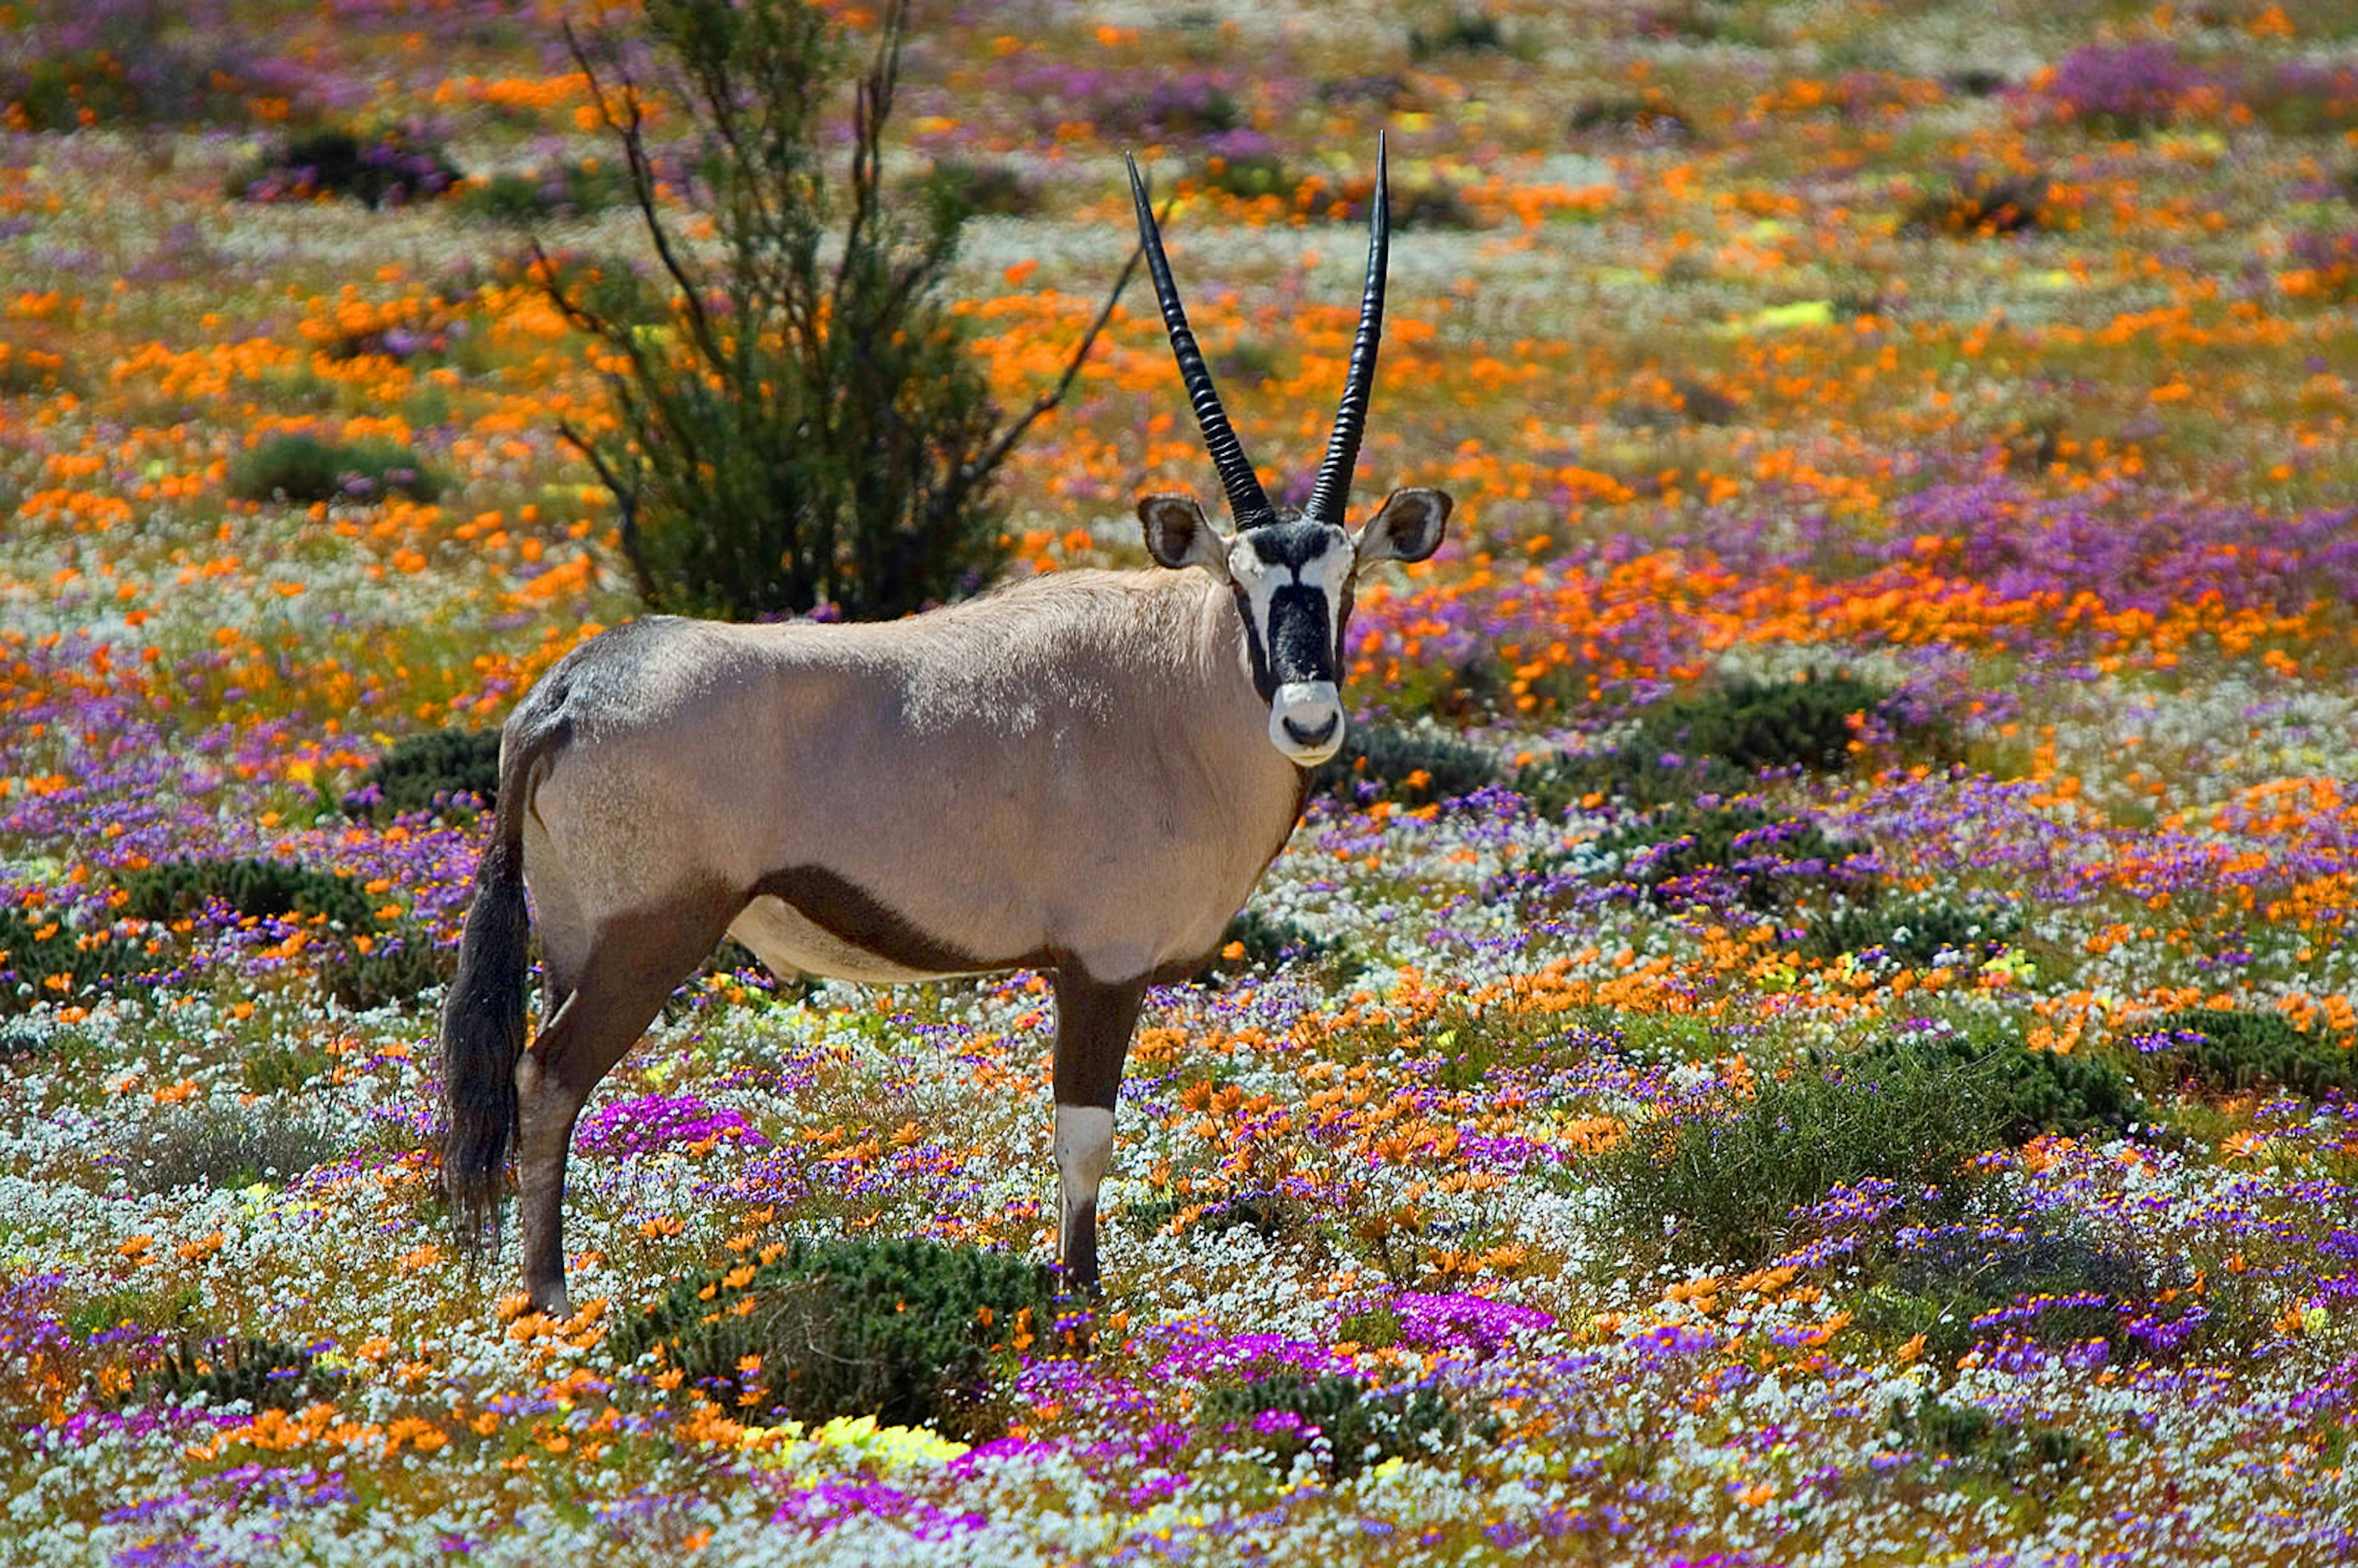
1983,205
905,1330
1917,932
44,959
1731,1176
1269,940
2228,1051
1413,766
257,889
283,1066
380,169
809,430
267,1374
2063,1287
2034,1092
1338,1419
576,187
1462,31
431,771
1968,1438
225,1149
399,965
303,468
971,190
1632,774
1769,860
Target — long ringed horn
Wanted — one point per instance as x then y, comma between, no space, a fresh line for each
1247,500
1333,491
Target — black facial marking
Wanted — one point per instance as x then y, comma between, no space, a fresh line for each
1299,635
1264,682
849,913
1289,544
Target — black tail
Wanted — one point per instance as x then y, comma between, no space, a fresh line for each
482,1024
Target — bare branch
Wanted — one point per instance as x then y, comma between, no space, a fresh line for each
626,502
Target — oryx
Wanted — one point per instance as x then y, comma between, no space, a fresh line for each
1084,772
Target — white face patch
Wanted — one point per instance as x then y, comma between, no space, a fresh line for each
1305,720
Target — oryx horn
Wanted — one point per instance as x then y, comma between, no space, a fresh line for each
1333,491
1247,500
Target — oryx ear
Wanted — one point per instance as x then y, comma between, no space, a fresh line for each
1179,535
1408,528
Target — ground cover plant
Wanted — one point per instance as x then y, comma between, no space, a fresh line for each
1813,1026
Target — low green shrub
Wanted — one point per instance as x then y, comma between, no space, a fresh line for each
1969,1438
1257,173
226,1149
1266,940
1728,1178
384,168
1462,31
438,770
1411,765
267,1374
1983,205
260,888
2228,1051
576,187
1769,860
399,965
2050,1283
905,1330
2034,1092
1346,1426
1918,933
44,959
302,468
1634,775
969,188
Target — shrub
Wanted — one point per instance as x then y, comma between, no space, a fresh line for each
905,1330
226,1149
1462,31
1731,1176
258,888
303,468
2033,1092
1983,205
1968,1437
2228,1051
267,1374
44,959
1649,114
1000,189
1265,941
68,63
1413,766
440,770
384,169
577,187
1919,932
2049,1283
397,967
1338,1419
1685,854
810,429
1247,175
1634,774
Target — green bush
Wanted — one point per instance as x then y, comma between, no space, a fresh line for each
1918,933
259,889
2228,1051
302,468
1770,860
1269,940
44,959
1983,205
809,430
401,963
1633,774
1414,765
1968,1438
267,1374
905,1330
972,189
1731,1176
430,772
2065,1288
1349,1427
1462,31
2034,1092
225,1149
574,189
384,168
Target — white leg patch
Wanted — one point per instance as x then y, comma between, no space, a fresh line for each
1084,1149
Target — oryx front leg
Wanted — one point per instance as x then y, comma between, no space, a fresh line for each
1094,1021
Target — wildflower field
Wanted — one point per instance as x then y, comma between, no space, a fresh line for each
1816,1025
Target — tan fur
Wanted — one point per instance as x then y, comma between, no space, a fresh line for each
1074,765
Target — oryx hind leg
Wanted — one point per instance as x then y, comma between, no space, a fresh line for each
634,963
1094,1021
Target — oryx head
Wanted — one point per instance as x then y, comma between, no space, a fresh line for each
1290,568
